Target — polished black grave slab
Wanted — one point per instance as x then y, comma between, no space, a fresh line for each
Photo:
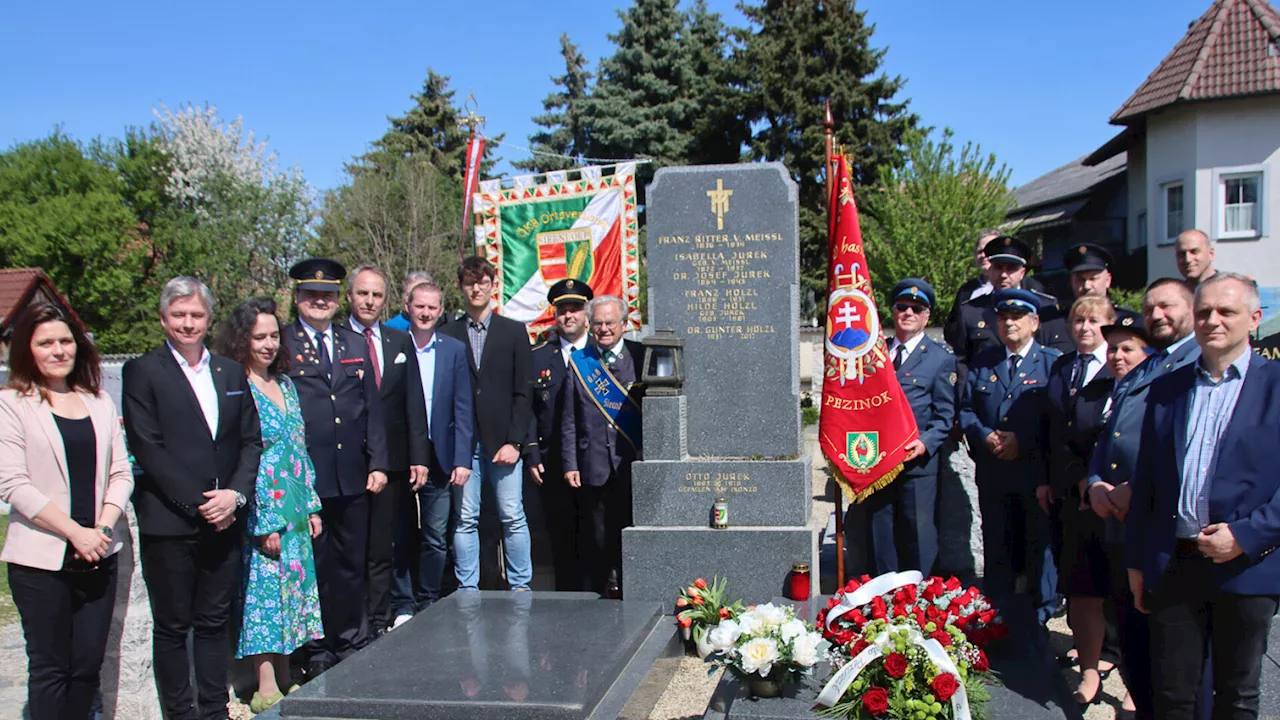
496,655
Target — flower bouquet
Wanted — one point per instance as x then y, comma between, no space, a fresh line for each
908,648
700,608
767,646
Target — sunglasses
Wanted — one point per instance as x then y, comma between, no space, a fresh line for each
909,307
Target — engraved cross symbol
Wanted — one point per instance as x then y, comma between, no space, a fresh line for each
847,316
602,385
719,202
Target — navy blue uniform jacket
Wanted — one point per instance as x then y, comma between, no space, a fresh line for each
1244,489
346,438
928,379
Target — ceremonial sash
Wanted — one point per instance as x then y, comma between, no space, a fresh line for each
611,397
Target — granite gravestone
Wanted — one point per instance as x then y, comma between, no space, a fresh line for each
723,266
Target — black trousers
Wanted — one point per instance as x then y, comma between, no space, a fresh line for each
900,530
383,512
603,511
192,580
1189,615
341,557
66,617
560,510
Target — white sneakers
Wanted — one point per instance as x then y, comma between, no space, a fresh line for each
400,620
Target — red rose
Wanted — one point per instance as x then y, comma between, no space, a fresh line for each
844,637
896,665
943,637
876,701
961,624
865,579
859,646
986,616
832,603
910,592
951,584
878,609
899,611
982,664
899,597
944,686
857,617
700,584
822,618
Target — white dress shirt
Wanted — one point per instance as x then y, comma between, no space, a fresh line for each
377,342
1099,360
985,288
200,377
1022,352
911,344
328,338
567,348
427,370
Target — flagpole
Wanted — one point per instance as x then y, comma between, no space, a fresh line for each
470,121
829,128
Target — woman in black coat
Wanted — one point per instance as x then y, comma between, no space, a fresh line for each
1079,385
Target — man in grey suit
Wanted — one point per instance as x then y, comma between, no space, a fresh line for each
600,438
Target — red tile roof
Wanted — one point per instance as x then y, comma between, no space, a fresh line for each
18,286
1233,50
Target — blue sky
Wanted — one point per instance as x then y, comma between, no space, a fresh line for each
1032,82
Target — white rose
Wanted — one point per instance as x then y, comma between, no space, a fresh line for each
804,651
749,623
724,635
791,629
771,616
758,656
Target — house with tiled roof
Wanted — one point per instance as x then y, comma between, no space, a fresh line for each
20,287
1201,142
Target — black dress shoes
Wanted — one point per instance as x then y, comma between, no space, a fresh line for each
317,668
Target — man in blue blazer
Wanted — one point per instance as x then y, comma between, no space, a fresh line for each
1205,515
900,526
446,387
1000,414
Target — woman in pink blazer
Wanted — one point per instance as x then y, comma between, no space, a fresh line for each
65,471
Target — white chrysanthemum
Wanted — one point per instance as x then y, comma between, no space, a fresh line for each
724,635
791,629
758,656
804,651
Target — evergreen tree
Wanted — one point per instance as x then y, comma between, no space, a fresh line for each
798,54
428,130
719,130
565,132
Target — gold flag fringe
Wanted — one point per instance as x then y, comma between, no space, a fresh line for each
857,497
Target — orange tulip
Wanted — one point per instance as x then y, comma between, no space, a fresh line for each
700,584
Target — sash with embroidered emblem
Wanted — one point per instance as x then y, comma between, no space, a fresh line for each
610,396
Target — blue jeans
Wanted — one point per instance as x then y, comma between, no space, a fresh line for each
421,549
507,481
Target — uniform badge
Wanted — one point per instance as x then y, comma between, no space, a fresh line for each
993,378
982,324
952,378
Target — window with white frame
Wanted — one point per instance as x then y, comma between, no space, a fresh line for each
1173,205
1239,209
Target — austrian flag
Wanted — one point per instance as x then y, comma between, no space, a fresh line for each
866,423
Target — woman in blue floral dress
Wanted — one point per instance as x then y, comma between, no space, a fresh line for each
281,599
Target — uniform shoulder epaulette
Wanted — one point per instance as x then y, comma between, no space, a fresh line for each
1046,296
1053,352
945,346
539,346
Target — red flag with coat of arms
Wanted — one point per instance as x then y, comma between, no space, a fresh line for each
866,423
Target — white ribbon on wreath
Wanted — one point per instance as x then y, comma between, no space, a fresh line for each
881,585
840,682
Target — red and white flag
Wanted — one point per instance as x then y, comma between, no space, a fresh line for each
471,177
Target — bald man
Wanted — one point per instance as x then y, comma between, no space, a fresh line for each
1194,253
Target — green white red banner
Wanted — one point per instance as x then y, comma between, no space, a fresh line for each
544,229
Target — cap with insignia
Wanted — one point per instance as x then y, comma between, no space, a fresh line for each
319,274
569,290
914,289
1087,256
1008,249
1016,300
1130,323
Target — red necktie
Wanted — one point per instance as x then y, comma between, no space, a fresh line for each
373,356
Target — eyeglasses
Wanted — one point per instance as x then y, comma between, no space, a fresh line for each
908,307
605,323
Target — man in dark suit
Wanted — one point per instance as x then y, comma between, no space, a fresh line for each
1205,515
193,429
551,368
1090,268
974,326
1168,328
395,372
901,527
445,385
600,438
500,359
1001,415
346,438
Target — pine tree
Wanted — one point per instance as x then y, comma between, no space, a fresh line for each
565,132
798,54
428,130
719,131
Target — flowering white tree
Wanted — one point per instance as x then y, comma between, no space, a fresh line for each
253,218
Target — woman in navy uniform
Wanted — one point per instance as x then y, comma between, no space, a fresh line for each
1001,414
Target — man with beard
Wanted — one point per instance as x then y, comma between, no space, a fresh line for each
551,367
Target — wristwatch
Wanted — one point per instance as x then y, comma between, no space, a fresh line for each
240,499
106,530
